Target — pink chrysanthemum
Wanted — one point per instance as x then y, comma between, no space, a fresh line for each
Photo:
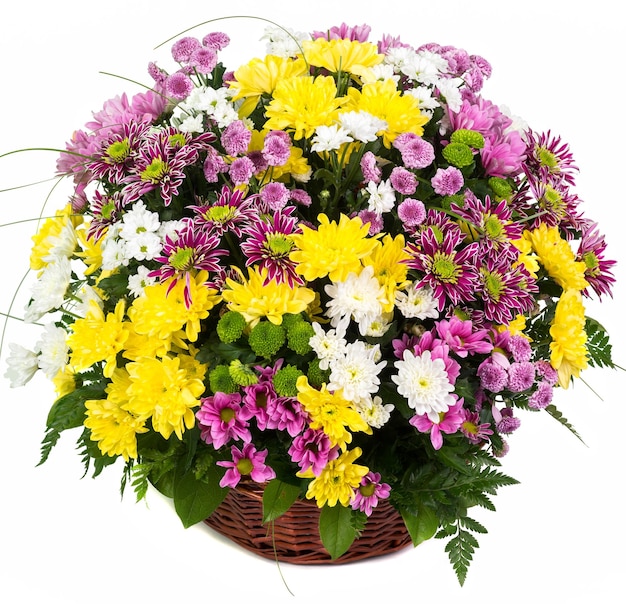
219,419
412,213
216,40
105,210
235,138
415,151
312,450
475,431
370,168
403,181
246,462
462,338
542,397
369,493
548,158
359,33
183,48
447,181
449,422
276,148
178,85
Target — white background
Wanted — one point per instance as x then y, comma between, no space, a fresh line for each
558,536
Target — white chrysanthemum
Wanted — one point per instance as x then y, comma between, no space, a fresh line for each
137,221
424,95
379,73
424,382
382,197
380,326
360,297
361,125
327,345
284,43
48,292
113,252
137,283
22,364
192,124
373,411
417,302
450,89
53,350
355,372
144,246
330,138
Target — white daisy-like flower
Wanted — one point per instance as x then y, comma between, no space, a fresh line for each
53,350
355,372
48,292
379,73
382,197
191,124
137,221
380,326
85,294
424,382
144,246
449,88
417,302
22,364
359,297
330,138
113,250
63,244
362,125
327,345
373,411
138,282
424,95
284,43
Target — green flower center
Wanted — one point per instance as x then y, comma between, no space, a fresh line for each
155,172
107,210
547,158
220,214
227,414
177,140
367,490
553,201
444,268
181,259
591,262
493,284
493,227
117,152
279,244
244,466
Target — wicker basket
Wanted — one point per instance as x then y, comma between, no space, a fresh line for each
295,537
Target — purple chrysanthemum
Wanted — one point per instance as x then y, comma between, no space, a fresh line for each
161,163
183,48
415,151
219,419
178,85
188,250
231,212
276,148
216,40
521,376
203,60
403,181
370,168
542,397
447,181
450,272
235,138
246,462
274,196
269,244
493,376
507,423
549,158
105,211
359,33
374,219
598,269
241,170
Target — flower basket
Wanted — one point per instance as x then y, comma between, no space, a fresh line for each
310,299
294,536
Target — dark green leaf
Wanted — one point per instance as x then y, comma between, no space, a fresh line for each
195,500
421,526
278,497
336,530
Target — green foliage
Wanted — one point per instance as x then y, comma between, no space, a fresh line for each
278,497
598,345
461,547
337,530
557,415
194,499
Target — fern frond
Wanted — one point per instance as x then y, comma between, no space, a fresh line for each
557,415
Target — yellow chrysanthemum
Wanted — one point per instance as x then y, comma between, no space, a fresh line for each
256,297
515,327
333,249
301,104
143,345
557,257
91,250
164,391
337,481
350,56
388,260
260,76
162,313
331,413
114,429
64,381
383,100
526,256
56,231
568,347
96,338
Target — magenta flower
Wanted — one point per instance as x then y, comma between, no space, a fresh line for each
312,450
106,210
231,212
359,33
369,493
503,157
246,462
447,181
276,148
178,85
403,181
214,165
449,423
449,271
412,213
186,251
235,138
220,420
598,269
415,151
473,430
548,158
369,167
460,336
288,415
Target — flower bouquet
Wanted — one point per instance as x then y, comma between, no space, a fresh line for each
336,275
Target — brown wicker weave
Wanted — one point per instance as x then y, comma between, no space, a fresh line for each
294,536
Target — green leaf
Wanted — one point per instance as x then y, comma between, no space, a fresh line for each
278,497
336,530
558,416
421,526
195,500
69,411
